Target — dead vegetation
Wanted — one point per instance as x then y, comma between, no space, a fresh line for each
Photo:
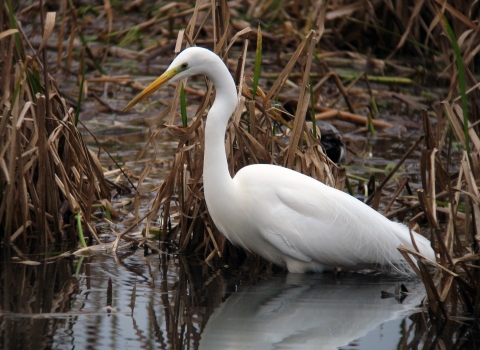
47,174
339,46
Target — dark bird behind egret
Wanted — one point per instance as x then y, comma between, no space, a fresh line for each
284,216
330,137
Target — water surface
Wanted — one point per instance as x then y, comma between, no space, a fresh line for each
134,300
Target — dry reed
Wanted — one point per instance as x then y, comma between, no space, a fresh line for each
47,174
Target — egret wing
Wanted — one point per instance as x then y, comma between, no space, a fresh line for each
305,219
337,229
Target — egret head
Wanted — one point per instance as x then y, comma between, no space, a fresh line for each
191,61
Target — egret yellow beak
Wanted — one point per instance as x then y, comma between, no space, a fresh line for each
150,89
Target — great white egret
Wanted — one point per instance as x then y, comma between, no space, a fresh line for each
284,216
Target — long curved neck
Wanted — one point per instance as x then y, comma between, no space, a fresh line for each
216,177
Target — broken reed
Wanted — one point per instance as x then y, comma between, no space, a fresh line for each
47,174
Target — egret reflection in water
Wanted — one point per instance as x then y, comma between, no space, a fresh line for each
303,312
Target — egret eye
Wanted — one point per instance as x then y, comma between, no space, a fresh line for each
184,65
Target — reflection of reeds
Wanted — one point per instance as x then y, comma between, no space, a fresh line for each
27,292
174,308
422,333
46,171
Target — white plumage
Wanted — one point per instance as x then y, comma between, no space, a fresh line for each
286,217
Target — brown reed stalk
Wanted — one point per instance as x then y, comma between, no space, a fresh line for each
47,174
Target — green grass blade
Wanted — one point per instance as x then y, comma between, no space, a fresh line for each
371,127
80,94
80,230
79,265
312,110
35,81
108,213
132,35
183,106
13,21
461,78
349,186
374,105
90,55
258,62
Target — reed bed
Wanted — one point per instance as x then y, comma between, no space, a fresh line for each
319,47
49,180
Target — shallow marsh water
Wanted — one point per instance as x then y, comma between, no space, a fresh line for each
157,301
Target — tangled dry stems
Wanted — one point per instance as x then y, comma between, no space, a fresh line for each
344,29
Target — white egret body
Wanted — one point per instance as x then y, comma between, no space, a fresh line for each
286,217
